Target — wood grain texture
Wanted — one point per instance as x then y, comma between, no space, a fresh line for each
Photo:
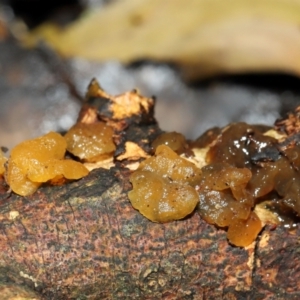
85,241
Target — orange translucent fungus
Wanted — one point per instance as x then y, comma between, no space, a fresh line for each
166,163
221,208
90,142
221,176
174,140
2,163
243,232
36,161
159,199
162,189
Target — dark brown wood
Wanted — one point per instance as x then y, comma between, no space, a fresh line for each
84,240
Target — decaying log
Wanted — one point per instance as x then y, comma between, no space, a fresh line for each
83,240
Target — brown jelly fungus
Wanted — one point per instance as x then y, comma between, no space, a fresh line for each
174,140
163,186
225,201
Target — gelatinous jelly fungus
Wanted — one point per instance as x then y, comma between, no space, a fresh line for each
221,176
2,163
174,140
238,144
166,163
293,155
90,142
220,208
206,138
39,160
243,232
159,199
226,201
223,196
162,189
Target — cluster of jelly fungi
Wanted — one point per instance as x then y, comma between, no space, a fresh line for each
224,175
88,144
39,160
244,167
42,159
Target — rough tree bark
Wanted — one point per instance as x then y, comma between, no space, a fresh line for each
83,240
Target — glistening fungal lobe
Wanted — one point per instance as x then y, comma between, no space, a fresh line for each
275,174
244,167
272,177
90,142
163,186
36,161
174,140
225,201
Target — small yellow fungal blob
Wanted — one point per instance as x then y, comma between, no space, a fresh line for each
38,160
90,142
2,163
162,189
174,140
